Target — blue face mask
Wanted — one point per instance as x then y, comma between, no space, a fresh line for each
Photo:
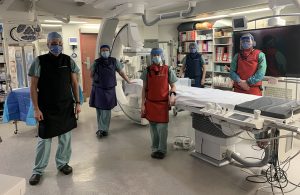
56,49
246,45
193,50
105,54
156,59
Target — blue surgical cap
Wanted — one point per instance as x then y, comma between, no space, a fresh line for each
157,51
193,45
53,35
105,46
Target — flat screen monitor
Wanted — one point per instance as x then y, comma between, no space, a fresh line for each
281,46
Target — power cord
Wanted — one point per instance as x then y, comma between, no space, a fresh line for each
183,142
275,175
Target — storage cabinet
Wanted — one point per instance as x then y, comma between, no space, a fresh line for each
204,40
215,45
222,58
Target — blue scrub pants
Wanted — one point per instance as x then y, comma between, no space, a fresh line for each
159,136
43,150
103,119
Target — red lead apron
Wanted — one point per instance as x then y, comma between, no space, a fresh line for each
247,65
157,94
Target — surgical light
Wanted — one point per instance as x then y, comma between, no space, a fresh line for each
211,17
51,25
71,22
249,11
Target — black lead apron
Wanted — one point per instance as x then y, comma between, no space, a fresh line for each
54,96
194,68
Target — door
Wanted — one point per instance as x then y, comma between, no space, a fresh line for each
88,50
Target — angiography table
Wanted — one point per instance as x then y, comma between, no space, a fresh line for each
220,117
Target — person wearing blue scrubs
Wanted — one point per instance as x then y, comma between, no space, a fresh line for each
194,67
103,94
54,91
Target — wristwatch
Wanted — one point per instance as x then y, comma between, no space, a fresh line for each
172,92
77,102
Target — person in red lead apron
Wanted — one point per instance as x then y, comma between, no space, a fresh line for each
53,79
156,101
248,67
103,94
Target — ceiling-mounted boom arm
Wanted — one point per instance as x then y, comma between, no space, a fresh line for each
178,14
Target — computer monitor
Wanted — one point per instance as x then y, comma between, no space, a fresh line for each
239,23
281,46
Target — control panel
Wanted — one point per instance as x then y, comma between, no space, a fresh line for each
221,114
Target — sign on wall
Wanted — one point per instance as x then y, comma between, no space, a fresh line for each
18,32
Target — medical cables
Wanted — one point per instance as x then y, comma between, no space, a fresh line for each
277,177
183,142
275,174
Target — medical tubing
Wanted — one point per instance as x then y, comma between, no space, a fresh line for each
168,16
263,162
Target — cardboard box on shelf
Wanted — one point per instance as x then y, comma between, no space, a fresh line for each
218,34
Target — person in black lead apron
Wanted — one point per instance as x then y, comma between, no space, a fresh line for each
53,79
103,94
193,66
